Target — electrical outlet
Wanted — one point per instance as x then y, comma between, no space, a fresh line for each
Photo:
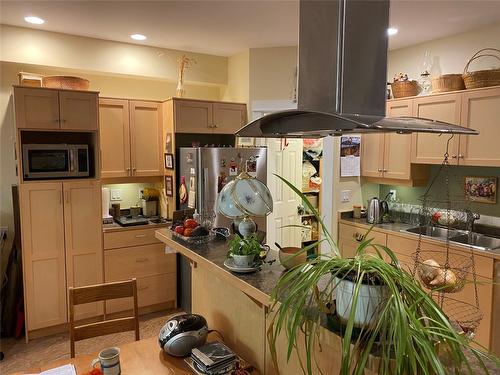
393,196
116,194
345,196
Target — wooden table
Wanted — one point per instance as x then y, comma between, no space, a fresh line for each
139,357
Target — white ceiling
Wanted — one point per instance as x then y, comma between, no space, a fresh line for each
227,27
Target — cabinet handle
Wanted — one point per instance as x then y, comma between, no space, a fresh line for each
359,237
63,120
384,170
142,288
128,171
380,169
453,156
460,156
142,260
56,120
140,235
214,126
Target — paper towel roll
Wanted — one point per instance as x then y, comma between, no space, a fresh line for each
105,203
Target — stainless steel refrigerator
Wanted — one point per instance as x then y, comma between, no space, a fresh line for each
204,171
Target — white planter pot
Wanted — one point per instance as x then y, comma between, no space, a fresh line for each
243,260
370,301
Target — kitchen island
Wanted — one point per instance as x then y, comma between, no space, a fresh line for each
239,306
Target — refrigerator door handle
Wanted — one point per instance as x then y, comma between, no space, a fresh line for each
204,189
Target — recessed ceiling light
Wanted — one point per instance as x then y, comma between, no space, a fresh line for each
138,37
392,31
34,20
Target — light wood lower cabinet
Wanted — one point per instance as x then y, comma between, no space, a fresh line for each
350,237
42,221
83,239
137,253
62,247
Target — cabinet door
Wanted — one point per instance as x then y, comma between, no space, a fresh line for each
193,116
430,148
481,111
229,117
78,110
115,137
43,254
36,108
372,155
397,147
83,238
145,138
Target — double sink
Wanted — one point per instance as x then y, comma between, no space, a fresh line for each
476,240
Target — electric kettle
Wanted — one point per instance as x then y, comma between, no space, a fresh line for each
374,212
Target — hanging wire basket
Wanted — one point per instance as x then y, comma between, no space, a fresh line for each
463,315
441,271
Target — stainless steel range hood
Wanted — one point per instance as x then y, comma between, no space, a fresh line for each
342,76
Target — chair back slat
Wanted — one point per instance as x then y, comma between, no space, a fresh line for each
102,292
105,327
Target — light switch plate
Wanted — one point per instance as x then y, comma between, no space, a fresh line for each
116,194
345,196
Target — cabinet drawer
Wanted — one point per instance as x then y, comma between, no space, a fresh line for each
352,233
127,238
138,261
151,290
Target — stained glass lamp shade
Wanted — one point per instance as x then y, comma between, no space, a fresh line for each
242,198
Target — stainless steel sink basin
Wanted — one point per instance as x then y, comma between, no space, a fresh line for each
434,232
477,240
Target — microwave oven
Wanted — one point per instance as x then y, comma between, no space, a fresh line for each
44,161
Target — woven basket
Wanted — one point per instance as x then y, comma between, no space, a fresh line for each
482,78
403,89
66,82
448,82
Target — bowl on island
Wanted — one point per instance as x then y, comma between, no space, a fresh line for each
290,257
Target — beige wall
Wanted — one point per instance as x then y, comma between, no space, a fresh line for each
238,78
272,73
29,46
449,54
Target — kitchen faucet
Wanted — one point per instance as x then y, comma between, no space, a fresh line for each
471,218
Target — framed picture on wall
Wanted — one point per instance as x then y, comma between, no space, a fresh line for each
169,186
481,189
169,161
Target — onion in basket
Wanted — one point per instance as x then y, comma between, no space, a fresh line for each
429,270
445,279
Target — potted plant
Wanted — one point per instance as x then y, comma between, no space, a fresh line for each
381,308
244,250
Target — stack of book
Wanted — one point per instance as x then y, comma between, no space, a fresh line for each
213,358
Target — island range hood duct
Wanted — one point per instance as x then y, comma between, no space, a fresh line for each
342,76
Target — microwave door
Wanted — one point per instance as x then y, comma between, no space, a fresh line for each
47,163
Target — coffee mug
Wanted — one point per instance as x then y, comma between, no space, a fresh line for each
109,361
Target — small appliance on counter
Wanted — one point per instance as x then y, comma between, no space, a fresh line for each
378,210
106,217
129,220
182,333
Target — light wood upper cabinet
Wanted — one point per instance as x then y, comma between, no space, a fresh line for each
39,108
78,110
115,137
145,138
42,220
196,116
83,240
372,155
229,117
36,108
192,116
430,148
388,155
481,112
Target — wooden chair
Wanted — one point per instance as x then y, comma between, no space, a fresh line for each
96,293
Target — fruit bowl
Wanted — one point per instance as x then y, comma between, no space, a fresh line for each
194,239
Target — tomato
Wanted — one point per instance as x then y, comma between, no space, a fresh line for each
190,223
188,232
179,229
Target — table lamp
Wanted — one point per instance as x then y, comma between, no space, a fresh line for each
242,198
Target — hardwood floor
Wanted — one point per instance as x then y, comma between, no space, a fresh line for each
20,356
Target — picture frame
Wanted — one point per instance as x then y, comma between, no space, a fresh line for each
169,161
481,189
169,186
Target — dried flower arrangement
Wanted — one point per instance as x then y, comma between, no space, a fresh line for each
183,63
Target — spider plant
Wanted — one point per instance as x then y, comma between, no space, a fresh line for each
409,335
